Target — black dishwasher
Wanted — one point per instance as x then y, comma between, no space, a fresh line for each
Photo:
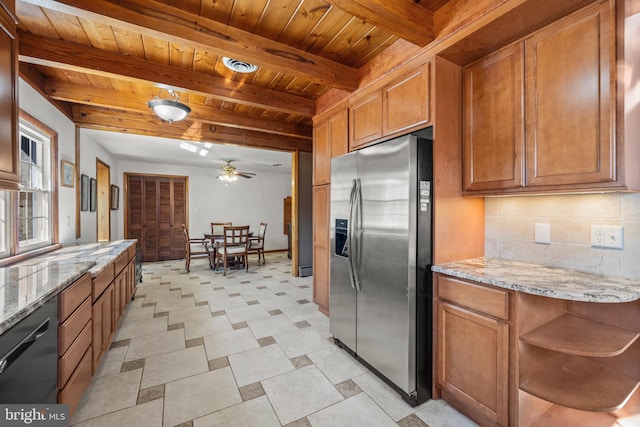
29,358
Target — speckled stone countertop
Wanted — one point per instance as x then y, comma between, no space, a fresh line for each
543,280
27,285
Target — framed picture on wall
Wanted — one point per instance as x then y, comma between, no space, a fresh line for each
115,197
67,175
93,196
84,192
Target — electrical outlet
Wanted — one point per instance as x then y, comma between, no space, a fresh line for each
607,236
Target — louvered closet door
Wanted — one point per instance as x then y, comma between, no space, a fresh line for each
156,210
150,219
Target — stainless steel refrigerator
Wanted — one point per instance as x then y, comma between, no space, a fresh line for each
380,281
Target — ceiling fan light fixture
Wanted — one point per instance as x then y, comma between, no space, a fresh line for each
238,66
228,177
169,110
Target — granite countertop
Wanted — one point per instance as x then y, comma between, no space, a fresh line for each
27,285
543,280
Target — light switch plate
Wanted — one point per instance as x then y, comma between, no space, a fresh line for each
542,233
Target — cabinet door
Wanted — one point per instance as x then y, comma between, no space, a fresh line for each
365,120
339,134
321,153
472,363
406,102
103,324
570,100
321,247
493,121
8,101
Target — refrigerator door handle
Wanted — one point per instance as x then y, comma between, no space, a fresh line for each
350,240
357,233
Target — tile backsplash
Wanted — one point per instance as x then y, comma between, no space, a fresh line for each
510,223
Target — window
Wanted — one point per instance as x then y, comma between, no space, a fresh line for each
27,216
34,198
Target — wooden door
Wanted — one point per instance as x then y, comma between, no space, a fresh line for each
150,219
406,102
472,363
156,208
570,100
8,99
494,121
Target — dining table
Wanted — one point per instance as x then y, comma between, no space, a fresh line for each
217,241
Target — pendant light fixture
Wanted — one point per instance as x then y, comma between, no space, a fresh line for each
169,110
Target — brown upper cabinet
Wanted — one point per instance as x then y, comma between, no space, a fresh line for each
539,115
402,105
330,139
9,178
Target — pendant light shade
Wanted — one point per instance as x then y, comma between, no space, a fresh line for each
169,110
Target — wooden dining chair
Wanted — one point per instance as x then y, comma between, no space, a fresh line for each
195,248
234,246
256,243
217,228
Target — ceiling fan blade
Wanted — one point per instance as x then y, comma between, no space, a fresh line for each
245,174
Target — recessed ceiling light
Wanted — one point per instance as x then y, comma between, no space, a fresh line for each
238,66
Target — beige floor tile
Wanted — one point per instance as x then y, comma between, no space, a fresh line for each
141,327
206,326
336,364
258,364
300,393
243,314
108,394
270,326
186,314
174,303
301,341
253,413
358,410
440,413
154,344
146,415
228,343
132,314
199,395
384,396
111,362
173,366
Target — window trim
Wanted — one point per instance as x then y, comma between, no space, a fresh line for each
13,232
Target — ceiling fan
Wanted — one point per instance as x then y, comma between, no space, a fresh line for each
230,174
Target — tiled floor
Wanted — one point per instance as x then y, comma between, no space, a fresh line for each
249,349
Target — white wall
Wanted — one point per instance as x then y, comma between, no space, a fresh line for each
90,150
509,231
243,202
34,104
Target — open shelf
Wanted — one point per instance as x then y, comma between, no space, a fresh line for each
581,383
579,336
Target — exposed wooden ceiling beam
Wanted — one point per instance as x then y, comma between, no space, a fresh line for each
147,124
127,101
179,26
76,57
403,18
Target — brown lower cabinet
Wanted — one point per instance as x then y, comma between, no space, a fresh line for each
510,358
472,358
89,311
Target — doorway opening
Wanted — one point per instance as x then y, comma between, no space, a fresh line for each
103,208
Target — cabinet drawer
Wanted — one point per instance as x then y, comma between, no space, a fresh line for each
121,262
491,301
68,363
71,328
78,383
73,296
102,281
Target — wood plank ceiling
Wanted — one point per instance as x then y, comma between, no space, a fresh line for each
101,61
